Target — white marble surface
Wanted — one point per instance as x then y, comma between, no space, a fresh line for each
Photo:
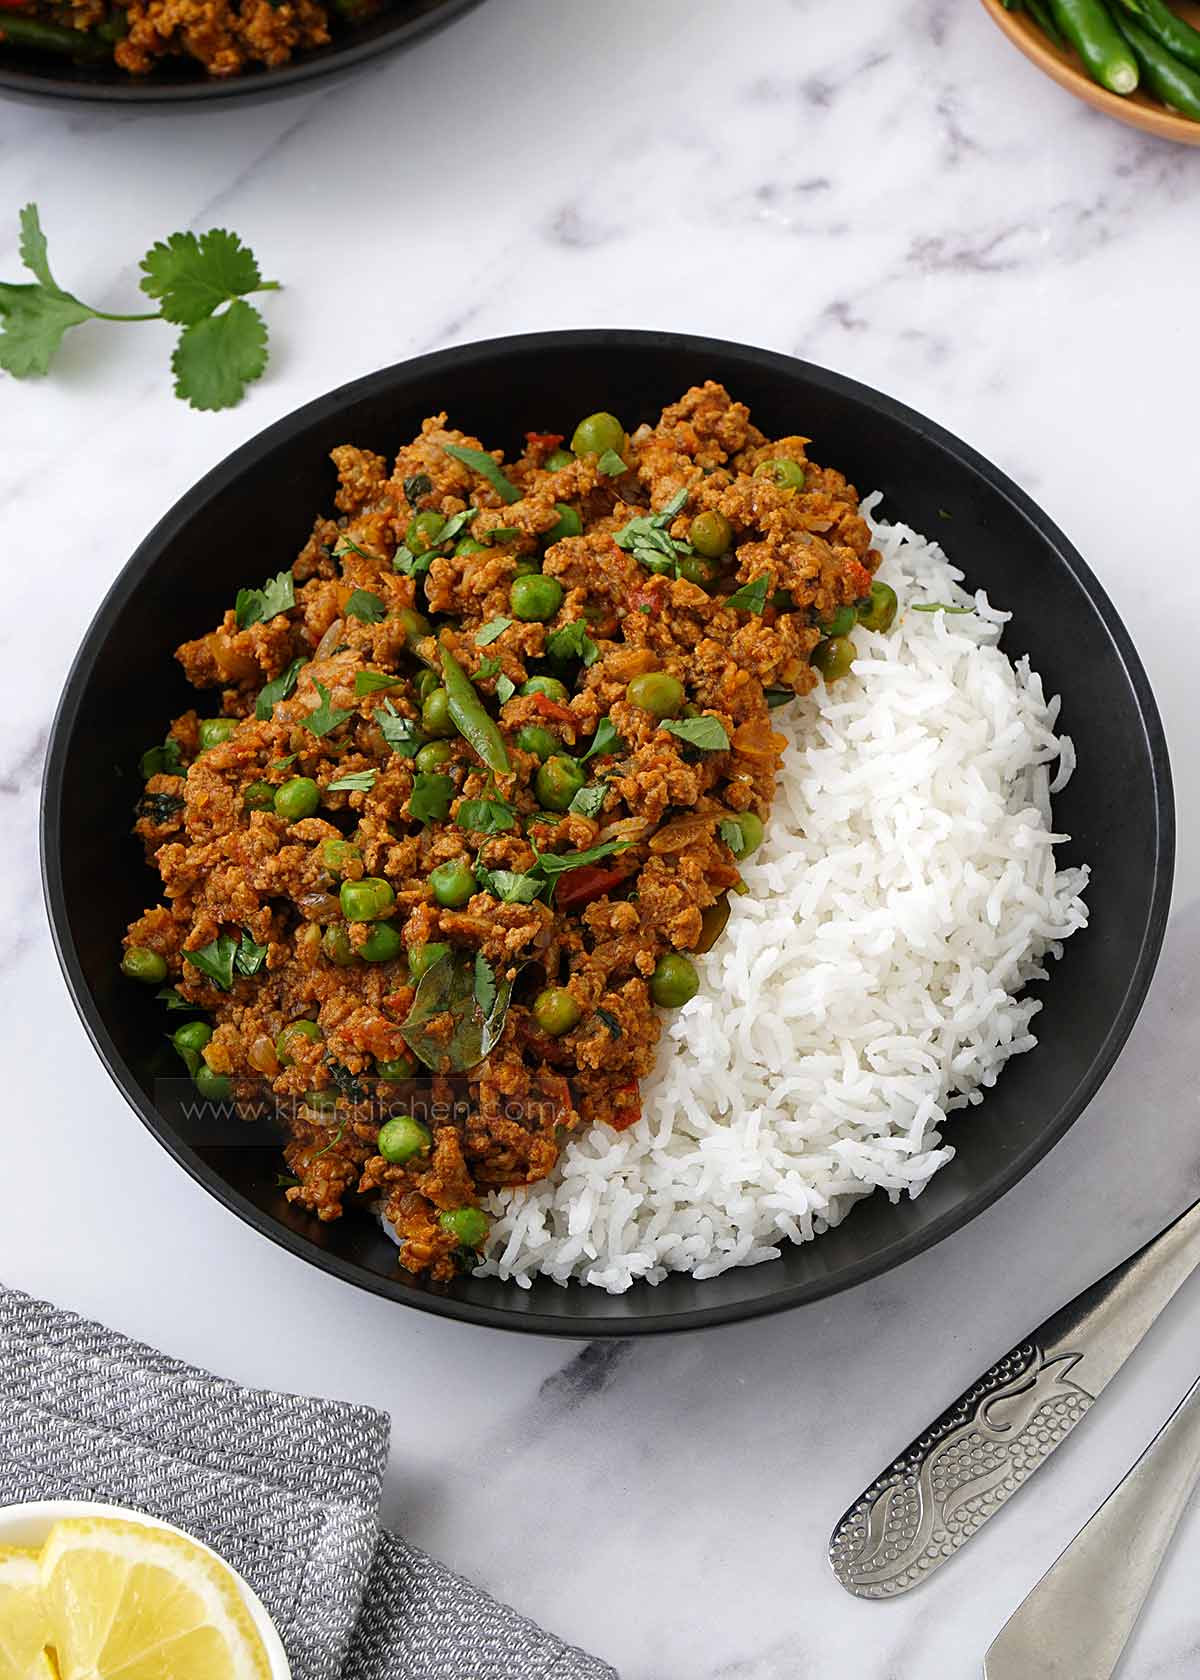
887,189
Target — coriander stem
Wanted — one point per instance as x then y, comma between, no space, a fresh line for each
103,315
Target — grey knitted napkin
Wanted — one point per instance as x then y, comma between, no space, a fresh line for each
285,1487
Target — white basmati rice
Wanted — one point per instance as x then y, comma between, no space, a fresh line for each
872,980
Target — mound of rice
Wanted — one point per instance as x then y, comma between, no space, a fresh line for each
870,982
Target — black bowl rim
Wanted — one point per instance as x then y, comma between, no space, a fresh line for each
325,61
905,1247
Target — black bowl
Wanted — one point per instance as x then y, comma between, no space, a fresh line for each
1117,807
181,82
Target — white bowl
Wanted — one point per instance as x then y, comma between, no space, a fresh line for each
28,1525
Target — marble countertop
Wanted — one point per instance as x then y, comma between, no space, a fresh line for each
891,191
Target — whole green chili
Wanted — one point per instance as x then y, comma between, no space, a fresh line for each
1168,79
468,715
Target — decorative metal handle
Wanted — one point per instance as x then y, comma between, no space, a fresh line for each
946,1485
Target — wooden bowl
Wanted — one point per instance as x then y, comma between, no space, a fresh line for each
1138,110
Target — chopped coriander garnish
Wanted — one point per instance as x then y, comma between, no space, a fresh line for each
646,536
192,276
347,545
491,631
485,816
508,886
216,959
282,763
572,641
751,597
453,525
502,534
400,733
365,606
485,983
412,565
588,800
162,761
553,864
505,688
277,689
370,682
254,606
939,606
420,484
430,797
730,830
250,957
171,998
488,668
481,462
705,733
355,781
779,696
611,464
326,717
605,740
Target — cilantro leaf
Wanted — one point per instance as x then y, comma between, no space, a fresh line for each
730,831
552,864
611,464
588,800
502,534
508,886
192,275
217,358
370,682
453,525
505,688
250,957
162,761
481,462
369,608
939,606
778,696
355,781
216,960
705,733
605,740
489,668
277,689
485,983
400,733
418,485
325,717
255,606
485,816
572,641
170,997
491,631
34,321
31,248
282,763
430,797
751,597
412,565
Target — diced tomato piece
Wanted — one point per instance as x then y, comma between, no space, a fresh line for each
548,441
859,579
553,709
582,885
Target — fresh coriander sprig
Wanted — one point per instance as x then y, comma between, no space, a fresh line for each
201,282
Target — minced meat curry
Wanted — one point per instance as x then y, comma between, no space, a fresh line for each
481,769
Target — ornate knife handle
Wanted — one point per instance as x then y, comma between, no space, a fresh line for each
947,1484
932,1499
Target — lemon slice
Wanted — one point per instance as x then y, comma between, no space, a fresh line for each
127,1602
24,1630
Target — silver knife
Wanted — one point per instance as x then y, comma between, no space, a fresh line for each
937,1494
1076,1622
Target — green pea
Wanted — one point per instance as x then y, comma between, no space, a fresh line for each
880,612
833,657
366,900
656,692
788,475
425,682
297,799
396,1071
674,981
698,570
469,545
382,944
751,826
423,531
285,1042
535,598
597,433
140,963
557,782
435,713
217,1087
432,755
568,524
467,1225
842,622
527,566
536,740
556,1011
336,855
453,883
711,534
549,686
335,942
191,1037
215,730
259,796
416,625
401,1138
422,958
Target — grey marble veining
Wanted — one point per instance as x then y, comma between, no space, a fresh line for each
889,190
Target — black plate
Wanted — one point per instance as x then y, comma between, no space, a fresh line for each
40,76
124,686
